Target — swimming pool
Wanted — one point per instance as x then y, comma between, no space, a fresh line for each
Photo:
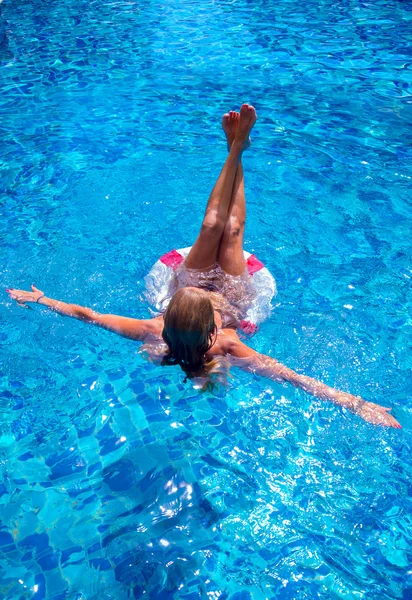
118,480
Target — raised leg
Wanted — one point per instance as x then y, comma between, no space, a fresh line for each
205,250
230,256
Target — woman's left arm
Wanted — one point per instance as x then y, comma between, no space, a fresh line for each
134,329
271,368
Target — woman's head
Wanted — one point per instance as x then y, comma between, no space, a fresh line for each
189,327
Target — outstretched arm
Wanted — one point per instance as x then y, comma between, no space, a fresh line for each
269,367
134,329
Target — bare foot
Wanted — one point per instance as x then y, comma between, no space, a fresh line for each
230,123
247,120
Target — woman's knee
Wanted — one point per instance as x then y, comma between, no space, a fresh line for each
234,228
212,226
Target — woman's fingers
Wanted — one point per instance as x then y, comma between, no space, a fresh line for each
36,289
21,296
379,415
389,421
25,296
13,293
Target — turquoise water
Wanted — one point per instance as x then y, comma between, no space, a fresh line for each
117,479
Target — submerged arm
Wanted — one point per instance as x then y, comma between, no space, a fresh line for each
134,329
269,367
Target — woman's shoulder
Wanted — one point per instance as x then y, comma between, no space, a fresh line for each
229,343
225,341
154,326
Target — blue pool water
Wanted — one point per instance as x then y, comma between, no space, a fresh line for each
118,480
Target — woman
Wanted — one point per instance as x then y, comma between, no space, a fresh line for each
199,326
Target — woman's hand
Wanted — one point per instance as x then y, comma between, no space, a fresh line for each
22,297
378,415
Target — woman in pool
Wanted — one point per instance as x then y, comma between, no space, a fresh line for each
198,328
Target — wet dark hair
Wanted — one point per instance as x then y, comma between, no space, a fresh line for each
190,330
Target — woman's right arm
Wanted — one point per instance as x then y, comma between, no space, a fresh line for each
134,329
269,367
